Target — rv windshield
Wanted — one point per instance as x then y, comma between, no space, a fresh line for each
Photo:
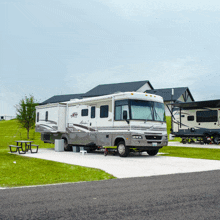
147,110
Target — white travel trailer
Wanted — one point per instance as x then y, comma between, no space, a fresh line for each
123,120
200,120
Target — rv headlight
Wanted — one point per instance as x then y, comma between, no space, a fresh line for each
137,136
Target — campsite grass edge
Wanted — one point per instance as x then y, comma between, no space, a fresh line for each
25,171
191,152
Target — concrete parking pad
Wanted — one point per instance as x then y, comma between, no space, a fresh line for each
132,166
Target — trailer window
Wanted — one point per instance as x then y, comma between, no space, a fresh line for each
84,112
190,118
46,116
93,112
104,111
206,116
38,117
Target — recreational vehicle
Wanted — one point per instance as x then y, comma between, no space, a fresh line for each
200,120
126,121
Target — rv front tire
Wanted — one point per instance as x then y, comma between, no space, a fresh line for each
152,152
123,151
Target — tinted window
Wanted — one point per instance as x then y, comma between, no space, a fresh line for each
121,106
93,112
104,111
46,116
121,102
84,112
206,116
159,112
190,118
141,110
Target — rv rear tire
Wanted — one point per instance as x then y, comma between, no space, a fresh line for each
67,147
123,151
152,152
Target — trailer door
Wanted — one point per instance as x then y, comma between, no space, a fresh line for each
218,117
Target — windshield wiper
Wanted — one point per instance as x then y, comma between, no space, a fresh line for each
157,114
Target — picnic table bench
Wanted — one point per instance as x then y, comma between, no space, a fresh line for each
18,148
28,146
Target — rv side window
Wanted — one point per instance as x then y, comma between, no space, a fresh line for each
190,118
46,116
93,112
120,107
206,116
84,112
38,117
104,111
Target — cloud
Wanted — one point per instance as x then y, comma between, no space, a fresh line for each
59,47
189,72
84,81
130,8
179,72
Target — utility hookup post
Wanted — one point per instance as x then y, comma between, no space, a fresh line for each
172,94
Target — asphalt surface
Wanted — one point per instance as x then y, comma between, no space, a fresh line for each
179,196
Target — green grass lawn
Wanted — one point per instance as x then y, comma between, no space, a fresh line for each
188,152
21,171
16,170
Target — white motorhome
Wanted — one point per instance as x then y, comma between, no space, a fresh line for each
200,120
126,120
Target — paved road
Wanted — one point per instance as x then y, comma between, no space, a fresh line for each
178,196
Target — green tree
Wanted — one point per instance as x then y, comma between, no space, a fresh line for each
26,113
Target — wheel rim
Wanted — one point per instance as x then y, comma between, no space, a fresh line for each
65,144
121,149
216,140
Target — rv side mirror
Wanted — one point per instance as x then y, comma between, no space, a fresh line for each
125,115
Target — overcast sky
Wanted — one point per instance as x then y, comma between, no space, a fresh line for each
53,47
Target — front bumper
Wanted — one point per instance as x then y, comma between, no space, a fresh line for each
149,141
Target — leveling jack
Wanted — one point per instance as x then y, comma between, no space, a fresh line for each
106,152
